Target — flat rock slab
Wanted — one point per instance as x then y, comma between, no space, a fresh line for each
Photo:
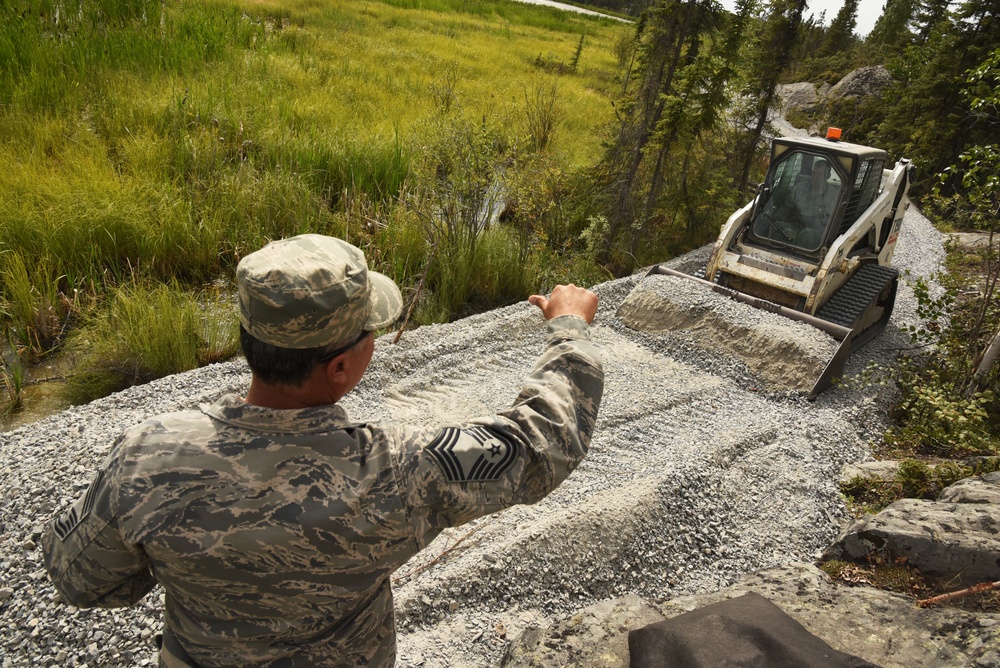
882,470
883,628
596,637
980,489
960,540
800,96
973,240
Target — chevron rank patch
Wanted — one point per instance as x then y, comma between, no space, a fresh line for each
475,454
64,525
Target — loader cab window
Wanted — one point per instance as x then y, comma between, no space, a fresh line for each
804,192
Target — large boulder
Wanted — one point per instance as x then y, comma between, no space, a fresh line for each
862,82
808,98
956,536
800,96
881,627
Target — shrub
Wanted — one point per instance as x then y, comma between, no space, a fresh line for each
945,410
914,479
936,419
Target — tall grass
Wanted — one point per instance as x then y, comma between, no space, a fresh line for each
149,142
147,332
35,312
139,158
52,51
12,378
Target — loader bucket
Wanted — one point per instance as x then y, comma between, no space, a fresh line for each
784,348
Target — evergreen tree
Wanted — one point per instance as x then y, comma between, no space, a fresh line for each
773,55
840,35
671,35
812,37
929,15
927,116
892,30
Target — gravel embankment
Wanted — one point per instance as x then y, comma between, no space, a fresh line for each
696,477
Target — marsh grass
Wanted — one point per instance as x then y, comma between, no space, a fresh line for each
145,333
13,378
51,47
218,324
36,312
149,143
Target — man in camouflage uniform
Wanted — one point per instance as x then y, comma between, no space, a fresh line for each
273,522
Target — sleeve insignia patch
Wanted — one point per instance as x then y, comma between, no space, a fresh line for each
64,525
476,454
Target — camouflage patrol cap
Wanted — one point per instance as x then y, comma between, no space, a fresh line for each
311,291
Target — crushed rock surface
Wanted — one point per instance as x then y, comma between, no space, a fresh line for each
696,477
783,353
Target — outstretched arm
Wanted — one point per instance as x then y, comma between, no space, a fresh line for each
457,473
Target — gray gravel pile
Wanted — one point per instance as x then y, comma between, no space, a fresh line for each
784,353
696,477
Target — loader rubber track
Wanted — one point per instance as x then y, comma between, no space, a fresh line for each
859,294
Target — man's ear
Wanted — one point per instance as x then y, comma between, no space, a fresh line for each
336,370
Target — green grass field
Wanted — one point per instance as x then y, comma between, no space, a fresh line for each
147,146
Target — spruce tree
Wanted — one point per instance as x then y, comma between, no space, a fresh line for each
670,37
840,35
892,29
930,14
928,118
773,54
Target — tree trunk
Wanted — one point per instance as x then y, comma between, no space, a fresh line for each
985,366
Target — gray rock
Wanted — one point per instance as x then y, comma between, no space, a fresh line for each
959,540
881,627
807,97
971,240
978,489
596,636
801,96
862,82
883,470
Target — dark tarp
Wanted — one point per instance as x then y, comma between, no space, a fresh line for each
749,632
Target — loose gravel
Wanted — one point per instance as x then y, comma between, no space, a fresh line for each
698,474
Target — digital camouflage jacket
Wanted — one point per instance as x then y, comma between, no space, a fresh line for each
274,532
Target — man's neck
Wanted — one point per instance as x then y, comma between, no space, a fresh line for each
284,397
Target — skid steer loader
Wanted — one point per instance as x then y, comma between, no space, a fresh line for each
815,245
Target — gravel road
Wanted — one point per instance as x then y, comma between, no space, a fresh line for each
697,476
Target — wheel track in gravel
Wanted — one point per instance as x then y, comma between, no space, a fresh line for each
657,507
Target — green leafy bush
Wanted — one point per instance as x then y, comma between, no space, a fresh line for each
943,412
935,418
